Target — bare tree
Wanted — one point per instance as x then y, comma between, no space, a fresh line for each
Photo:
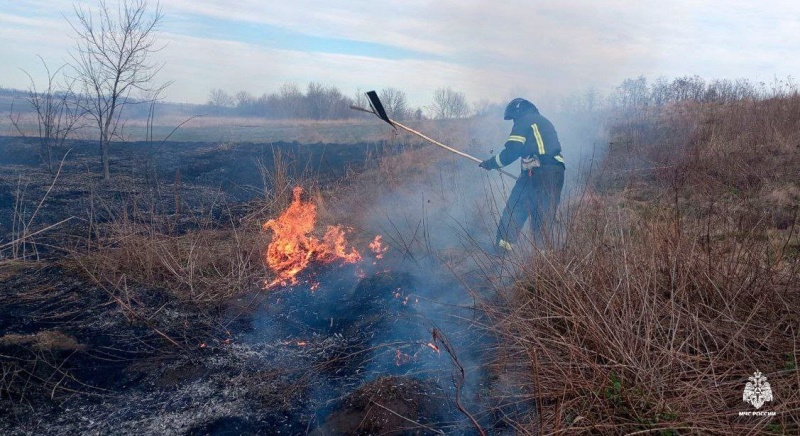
360,100
218,97
688,88
326,102
112,61
484,107
448,103
58,113
244,98
291,101
394,101
632,93
337,105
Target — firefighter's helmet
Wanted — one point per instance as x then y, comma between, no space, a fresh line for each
517,107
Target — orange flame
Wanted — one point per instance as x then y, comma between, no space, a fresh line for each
377,247
293,246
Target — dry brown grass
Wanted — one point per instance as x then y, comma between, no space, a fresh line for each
203,268
678,280
45,340
204,264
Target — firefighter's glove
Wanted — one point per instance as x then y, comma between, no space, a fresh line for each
489,164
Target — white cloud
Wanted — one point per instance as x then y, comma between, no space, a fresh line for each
484,48
199,64
399,25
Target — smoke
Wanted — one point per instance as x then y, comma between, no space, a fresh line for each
451,204
377,317
438,213
441,222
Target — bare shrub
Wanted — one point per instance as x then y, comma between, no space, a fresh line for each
636,94
645,322
58,113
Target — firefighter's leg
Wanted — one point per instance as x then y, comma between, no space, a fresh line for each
548,181
515,213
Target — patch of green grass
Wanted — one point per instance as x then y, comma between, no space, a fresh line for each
614,391
790,364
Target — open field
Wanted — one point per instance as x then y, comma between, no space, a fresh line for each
198,123
208,128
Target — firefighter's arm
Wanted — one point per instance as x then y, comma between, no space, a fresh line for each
511,152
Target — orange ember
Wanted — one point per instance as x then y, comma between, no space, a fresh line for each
293,246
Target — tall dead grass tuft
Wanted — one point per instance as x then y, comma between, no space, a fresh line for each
672,287
203,268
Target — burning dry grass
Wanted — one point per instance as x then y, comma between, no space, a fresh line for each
670,292
293,246
201,260
198,259
207,266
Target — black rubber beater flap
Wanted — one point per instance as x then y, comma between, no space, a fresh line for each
378,107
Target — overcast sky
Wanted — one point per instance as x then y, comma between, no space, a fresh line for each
490,50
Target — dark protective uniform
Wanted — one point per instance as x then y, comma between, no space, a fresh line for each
537,192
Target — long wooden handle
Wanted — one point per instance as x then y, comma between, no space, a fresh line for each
435,142
431,140
448,148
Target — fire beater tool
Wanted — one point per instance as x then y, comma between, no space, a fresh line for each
380,112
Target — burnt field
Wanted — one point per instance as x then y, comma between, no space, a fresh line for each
170,175
240,288
141,307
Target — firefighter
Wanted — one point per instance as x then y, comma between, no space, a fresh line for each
537,192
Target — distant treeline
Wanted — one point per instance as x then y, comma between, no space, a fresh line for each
638,93
320,102
7,97
325,102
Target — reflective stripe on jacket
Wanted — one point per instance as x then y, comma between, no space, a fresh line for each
533,136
